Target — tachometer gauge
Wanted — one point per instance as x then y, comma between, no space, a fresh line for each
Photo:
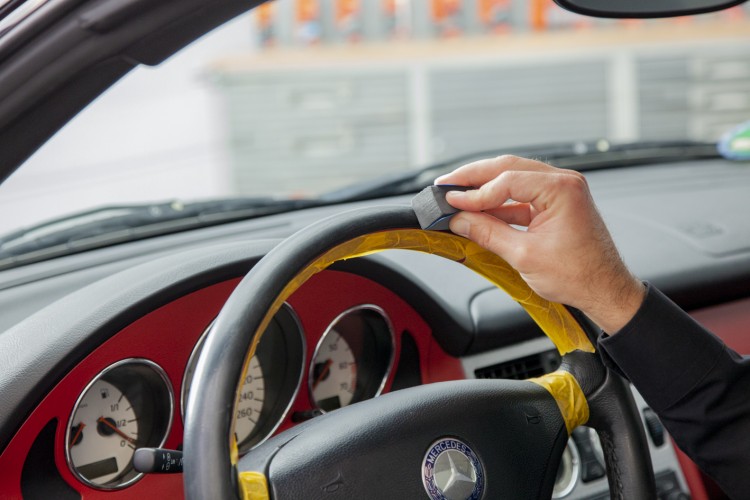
352,359
127,406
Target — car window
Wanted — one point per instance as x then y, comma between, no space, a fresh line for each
302,97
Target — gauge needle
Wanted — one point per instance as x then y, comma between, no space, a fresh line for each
106,422
323,373
78,434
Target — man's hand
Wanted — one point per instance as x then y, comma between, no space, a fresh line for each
566,255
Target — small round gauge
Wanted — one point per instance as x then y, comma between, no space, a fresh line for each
111,430
127,406
267,389
352,359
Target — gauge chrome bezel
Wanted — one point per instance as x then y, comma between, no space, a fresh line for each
297,385
114,366
391,339
575,465
192,360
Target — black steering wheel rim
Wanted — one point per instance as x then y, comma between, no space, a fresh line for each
210,459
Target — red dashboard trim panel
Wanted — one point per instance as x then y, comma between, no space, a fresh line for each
167,336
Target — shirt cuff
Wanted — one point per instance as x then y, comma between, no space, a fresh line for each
661,350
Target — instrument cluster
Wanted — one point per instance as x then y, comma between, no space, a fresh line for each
131,404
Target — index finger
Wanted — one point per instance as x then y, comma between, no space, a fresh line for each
481,172
538,189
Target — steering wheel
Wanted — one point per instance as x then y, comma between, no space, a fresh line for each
467,439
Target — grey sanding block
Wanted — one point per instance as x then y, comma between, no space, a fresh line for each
433,212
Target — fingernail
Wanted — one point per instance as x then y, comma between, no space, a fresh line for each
455,195
439,180
459,226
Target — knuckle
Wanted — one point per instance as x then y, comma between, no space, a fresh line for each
486,195
507,160
574,182
579,178
506,177
523,256
482,235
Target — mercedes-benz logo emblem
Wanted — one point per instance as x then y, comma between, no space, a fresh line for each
452,471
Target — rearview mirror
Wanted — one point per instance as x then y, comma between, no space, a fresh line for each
644,8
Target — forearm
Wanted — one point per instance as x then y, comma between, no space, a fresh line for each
697,385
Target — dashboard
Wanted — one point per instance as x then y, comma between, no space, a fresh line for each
99,348
340,339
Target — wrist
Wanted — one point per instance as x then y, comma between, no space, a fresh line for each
618,304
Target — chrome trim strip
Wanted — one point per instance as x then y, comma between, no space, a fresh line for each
575,474
192,360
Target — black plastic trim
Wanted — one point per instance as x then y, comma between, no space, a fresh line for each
409,372
40,477
667,12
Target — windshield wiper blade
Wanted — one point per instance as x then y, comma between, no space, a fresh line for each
115,224
581,156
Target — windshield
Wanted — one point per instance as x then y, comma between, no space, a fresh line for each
302,97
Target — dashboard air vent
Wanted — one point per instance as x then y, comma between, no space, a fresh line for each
535,365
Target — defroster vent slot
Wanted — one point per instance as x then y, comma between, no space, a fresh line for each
535,365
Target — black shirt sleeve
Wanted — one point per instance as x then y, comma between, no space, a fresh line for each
698,386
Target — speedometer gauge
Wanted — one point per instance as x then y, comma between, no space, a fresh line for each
250,403
266,391
352,359
251,399
127,406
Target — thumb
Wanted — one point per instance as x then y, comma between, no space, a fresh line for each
488,232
